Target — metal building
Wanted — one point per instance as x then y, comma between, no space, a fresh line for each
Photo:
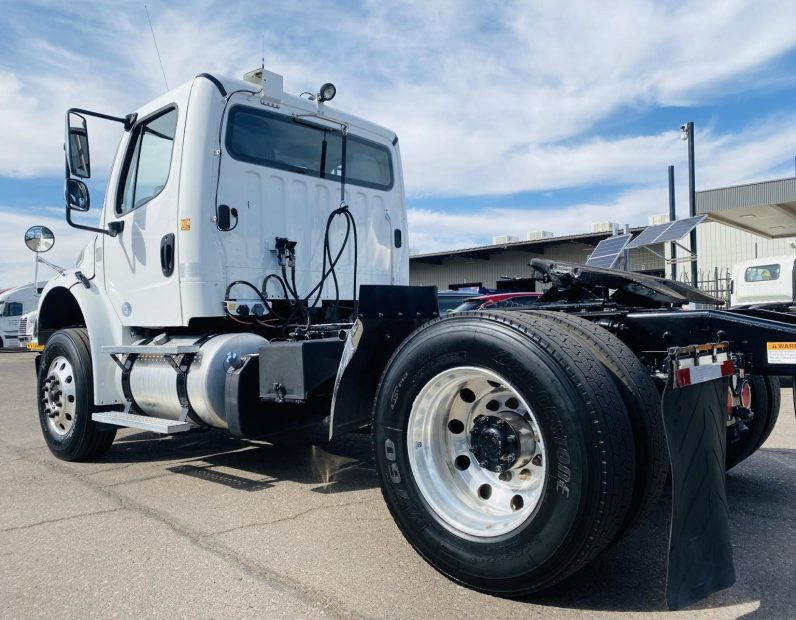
741,218
748,221
485,265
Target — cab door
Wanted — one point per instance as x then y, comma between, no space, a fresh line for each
140,263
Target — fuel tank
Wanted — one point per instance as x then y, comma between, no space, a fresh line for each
155,384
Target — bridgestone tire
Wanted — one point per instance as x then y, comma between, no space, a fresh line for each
589,443
84,440
643,403
765,405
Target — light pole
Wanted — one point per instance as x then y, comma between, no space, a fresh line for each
687,133
672,218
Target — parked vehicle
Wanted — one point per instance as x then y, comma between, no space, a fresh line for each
497,301
269,288
13,304
765,282
27,331
448,301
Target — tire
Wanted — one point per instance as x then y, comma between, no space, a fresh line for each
574,498
774,393
765,405
642,402
65,394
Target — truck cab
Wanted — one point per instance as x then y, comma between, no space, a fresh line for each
768,282
218,189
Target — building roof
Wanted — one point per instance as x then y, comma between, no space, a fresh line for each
767,208
532,247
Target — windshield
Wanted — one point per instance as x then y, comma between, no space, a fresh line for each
468,305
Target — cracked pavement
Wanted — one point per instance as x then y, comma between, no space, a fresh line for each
204,525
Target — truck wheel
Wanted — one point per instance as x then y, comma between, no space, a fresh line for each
765,405
774,393
503,449
66,396
643,403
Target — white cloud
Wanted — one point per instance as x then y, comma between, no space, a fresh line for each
487,98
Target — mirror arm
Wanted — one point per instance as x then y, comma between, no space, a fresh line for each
114,228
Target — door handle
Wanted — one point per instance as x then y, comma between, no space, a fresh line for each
167,254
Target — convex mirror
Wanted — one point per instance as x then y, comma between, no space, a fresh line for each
39,239
76,195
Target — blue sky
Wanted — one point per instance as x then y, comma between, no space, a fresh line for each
513,116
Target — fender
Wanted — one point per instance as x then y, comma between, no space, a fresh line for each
387,315
74,300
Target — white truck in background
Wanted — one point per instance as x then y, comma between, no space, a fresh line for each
14,303
764,282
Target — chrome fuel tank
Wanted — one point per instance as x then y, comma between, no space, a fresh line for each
154,381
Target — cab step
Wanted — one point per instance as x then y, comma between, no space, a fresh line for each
143,422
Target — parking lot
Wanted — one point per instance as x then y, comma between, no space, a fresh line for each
204,525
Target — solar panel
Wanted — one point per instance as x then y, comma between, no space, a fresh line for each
648,235
605,262
608,251
679,229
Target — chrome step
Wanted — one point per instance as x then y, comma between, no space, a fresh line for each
152,349
144,422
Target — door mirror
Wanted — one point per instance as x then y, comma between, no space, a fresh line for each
77,147
76,195
39,239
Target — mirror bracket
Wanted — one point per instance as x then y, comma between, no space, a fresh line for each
114,228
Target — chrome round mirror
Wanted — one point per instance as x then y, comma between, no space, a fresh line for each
39,239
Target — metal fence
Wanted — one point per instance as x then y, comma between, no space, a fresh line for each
711,281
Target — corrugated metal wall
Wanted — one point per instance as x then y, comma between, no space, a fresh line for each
721,247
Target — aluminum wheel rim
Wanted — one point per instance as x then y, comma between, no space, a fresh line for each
455,493
58,396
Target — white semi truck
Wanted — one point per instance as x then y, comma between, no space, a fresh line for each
250,273
14,303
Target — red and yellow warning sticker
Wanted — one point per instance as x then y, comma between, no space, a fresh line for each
781,352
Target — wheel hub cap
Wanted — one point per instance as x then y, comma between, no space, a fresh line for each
494,443
58,396
476,452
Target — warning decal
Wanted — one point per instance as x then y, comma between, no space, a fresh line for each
781,352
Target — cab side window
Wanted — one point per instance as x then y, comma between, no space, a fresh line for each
148,161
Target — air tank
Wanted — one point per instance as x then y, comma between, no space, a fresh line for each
154,381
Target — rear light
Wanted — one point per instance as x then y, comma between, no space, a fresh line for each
746,396
729,402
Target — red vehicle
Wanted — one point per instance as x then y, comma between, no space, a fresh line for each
499,300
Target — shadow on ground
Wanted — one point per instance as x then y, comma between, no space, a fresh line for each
761,494
345,464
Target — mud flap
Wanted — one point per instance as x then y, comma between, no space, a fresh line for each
700,551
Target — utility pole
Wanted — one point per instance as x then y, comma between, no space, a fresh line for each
687,133
672,218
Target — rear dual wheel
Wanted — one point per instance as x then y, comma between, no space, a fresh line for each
504,450
765,407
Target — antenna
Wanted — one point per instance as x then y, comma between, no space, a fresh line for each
157,51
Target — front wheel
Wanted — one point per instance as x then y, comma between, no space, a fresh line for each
66,397
504,450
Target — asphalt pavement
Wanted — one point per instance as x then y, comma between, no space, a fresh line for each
207,526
